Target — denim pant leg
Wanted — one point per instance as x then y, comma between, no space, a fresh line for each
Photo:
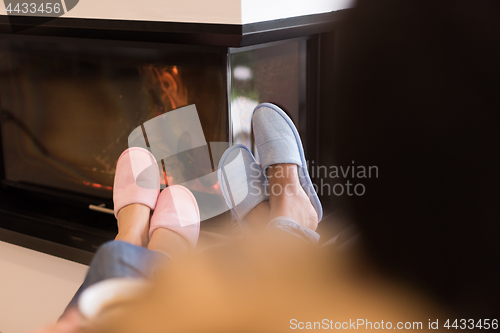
345,241
289,227
120,259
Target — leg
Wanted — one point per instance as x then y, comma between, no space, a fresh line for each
119,259
289,207
168,242
287,197
260,215
175,224
126,257
285,227
133,224
291,191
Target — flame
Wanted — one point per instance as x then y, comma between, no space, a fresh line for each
169,92
166,83
95,185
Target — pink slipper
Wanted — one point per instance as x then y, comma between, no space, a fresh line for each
137,179
178,211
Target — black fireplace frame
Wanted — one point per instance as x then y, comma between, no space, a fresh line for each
36,217
209,34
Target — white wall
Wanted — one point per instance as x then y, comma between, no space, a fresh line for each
266,10
207,11
34,287
201,11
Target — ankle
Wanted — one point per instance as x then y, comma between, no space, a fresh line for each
132,237
133,224
168,242
135,209
259,217
288,198
282,173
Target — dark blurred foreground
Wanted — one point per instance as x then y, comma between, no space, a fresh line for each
418,95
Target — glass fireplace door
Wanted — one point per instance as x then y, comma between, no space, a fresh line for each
274,73
67,107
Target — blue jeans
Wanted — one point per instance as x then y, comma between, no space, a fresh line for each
121,259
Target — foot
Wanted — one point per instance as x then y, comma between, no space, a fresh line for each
133,224
288,198
177,211
278,143
137,179
260,216
242,182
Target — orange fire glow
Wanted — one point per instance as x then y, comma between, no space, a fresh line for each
166,82
173,92
95,185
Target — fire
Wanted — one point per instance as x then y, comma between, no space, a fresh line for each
95,185
166,82
169,92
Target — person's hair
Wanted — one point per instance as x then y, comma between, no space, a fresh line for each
418,95
265,283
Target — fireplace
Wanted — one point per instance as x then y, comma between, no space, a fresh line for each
72,90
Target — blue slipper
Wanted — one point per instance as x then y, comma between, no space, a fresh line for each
278,141
242,182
